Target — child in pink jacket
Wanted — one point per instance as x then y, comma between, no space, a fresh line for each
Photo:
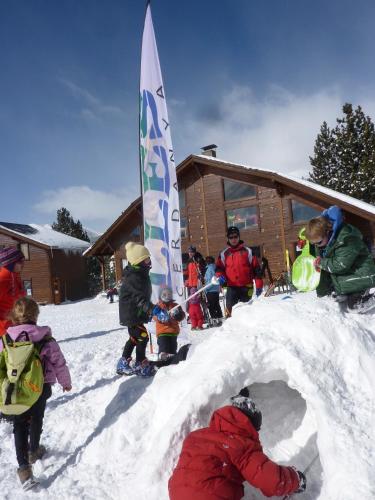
27,427
195,311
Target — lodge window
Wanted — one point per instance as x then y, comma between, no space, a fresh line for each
236,190
135,233
182,198
184,227
243,218
302,212
28,287
24,247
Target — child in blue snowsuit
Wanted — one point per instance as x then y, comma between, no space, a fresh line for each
213,292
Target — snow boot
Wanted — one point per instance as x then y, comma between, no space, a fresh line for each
37,454
124,367
25,474
145,369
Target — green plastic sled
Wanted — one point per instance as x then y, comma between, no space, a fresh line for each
304,275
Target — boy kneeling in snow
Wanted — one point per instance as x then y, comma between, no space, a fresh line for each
167,331
216,460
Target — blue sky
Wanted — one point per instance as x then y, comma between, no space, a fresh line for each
256,77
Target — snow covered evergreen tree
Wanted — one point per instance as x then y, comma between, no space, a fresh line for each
344,157
67,225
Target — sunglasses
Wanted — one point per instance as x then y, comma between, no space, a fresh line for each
317,243
233,236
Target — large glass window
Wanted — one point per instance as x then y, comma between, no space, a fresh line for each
135,233
302,212
243,218
183,223
235,190
182,198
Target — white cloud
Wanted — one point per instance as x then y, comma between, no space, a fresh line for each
86,204
277,132
92,106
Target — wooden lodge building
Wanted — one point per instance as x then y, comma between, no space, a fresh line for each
268,208
54,269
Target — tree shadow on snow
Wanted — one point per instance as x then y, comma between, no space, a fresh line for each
68,397
127,395
91,335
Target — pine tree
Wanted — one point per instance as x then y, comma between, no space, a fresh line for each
67,225
345,156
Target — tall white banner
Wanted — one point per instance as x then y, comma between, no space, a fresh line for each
161,211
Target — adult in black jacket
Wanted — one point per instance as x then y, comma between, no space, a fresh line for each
135,309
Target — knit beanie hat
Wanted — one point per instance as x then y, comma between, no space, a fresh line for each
233,230
10,255
248,407
136,253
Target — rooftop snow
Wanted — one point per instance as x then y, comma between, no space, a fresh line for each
46,235
316,187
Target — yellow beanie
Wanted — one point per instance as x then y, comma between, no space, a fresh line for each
135,253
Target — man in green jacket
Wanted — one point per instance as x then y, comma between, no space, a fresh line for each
347,267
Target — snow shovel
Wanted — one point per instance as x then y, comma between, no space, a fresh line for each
304,275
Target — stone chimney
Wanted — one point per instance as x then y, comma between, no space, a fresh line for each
209,150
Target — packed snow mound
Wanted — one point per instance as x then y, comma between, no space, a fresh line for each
309,367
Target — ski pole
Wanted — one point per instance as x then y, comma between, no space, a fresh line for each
214,281
151,346
303,472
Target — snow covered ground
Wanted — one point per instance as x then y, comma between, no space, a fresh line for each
309,367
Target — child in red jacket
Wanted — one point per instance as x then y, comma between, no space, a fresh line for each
195,311
215,461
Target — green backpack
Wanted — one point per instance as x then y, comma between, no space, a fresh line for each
304,275
21,375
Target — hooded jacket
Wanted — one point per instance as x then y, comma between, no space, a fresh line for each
10,290
216,460
134,297
53,361
348,262
171,327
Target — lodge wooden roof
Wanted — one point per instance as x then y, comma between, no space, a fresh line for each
283,184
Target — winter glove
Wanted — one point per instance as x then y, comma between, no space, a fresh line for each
302,482
301,243
221,279
177,314
161,314
258,291
316,263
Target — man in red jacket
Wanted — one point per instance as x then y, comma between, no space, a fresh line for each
11,289
238,268
216,460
